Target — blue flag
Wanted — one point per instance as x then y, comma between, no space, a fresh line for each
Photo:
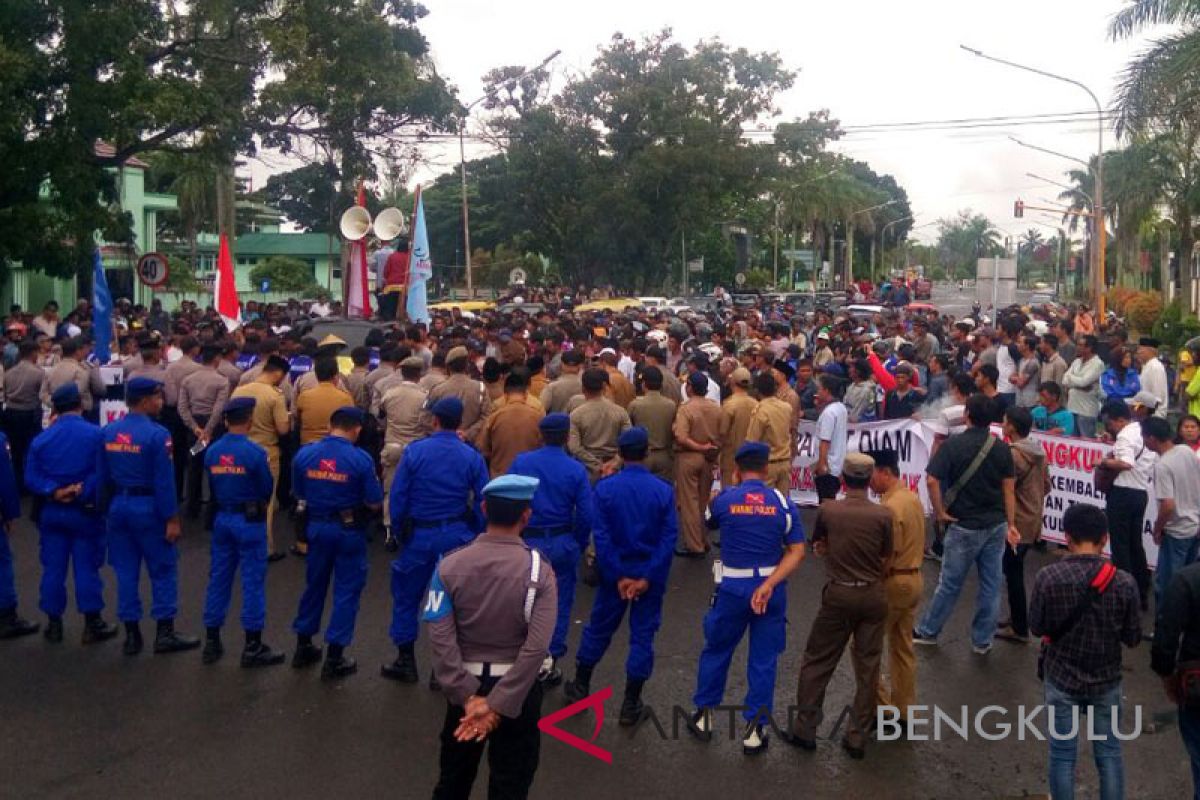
102,307
420,265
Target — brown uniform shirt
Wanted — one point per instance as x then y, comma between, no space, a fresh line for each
536,384
512,352
23,386
203,394
908,527
431,379
316,406
476,403
175,374
771,423
858,539
619,390
736,412
511,429
699,420
402,405
656,414
558,393
251,376
269,416
308,381
486,585
372,380
671,387
595,426
356,384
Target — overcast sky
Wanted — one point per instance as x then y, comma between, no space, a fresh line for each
868,61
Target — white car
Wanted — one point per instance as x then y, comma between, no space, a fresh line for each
861,310
652,304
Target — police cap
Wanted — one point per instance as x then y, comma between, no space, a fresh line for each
858,465
555,423
448,410
65,396
238,404
633,438
752,455
347,416
511,487
141,387
413,362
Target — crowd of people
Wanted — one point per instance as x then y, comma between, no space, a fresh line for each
618,424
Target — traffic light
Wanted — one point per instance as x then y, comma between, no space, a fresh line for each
1019,209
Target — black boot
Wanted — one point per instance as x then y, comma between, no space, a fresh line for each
168,640
257,654
54,630
550,675
404,668
95,629
12,625
581,687
133,639
337,665
213,649
306,653
632,708
390,543
434,686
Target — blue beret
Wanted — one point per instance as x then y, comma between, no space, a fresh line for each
448,407
552,423
141,387
633,437
511,487
353,412
65,395
239,404
754,451
699,382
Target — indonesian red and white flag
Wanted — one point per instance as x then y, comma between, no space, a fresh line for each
358,294
225,290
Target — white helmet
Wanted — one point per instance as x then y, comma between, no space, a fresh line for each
657,336
711,350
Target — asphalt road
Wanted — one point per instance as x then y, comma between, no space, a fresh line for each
89,722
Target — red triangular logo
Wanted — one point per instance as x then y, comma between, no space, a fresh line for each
549,724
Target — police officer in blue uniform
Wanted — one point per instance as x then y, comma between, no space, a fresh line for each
11,624
60,472
561,523
436,506
762,543
136,476
337,483
634,530
241,483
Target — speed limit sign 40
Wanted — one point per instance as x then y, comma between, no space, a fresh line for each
152,270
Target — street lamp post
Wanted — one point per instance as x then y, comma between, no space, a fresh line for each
883,242
775,260
462,168
1098,279
850,239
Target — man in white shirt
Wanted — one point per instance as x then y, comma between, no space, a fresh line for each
1082,378
1126,502
1154,374
831,437
1177,485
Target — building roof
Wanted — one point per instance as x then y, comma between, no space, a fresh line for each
106,150
279,244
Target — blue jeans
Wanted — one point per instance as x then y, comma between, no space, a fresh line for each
1085,426
1189,729
1071,714
1173,555
983,547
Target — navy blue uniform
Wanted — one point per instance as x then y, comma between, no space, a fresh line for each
560,525
332,476
635,528
135,473
238,473
756,524
10,510
299,365
63,455
438,492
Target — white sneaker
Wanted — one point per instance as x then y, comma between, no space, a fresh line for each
981,651
754,740
701,724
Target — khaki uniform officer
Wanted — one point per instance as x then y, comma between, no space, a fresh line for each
268,423
401,410
477,405
490,613
656,413
903,585
736,411
855,535
595,425
697,426
512,428
772,423
559,392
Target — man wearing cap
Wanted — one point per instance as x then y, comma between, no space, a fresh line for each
736,413
762,543
434,507
656,414
336,482
490,611
476,405
596,423
269,422
634,530
697,447
512,427
902,583
1154,375
202,396
23,383
402,410
329,348
242,484
60,473
773,422
855,537
561,523
558,393
134,474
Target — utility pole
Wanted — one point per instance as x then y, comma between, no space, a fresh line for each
775,261
683,255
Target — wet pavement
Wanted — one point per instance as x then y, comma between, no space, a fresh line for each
90,722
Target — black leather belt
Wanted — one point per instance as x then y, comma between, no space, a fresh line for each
556,530
135,491
437,523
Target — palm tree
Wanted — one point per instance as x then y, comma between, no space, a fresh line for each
1030,240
